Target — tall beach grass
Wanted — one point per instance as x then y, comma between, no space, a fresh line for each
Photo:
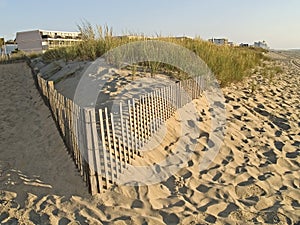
229,64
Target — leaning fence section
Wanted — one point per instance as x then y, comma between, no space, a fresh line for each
101,142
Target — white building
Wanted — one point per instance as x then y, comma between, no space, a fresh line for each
261,44
219,41
41,40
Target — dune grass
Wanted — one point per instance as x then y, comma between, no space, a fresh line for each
229,64
12,58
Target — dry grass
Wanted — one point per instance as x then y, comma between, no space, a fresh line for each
229,64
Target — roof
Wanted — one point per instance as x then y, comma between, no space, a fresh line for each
52,31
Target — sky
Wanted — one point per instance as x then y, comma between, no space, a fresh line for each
241,21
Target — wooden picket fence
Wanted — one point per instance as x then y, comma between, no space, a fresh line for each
102,143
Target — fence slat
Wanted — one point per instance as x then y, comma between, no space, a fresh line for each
90,155
128,140
142,125
153,116
104,147
109,144
134,127
131,128
115,145
123,134
96,149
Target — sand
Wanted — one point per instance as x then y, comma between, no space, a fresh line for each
254,179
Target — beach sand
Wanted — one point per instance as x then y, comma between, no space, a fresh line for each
255,178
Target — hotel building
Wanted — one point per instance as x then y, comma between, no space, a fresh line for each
39,41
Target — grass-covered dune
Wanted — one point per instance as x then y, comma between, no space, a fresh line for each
228,63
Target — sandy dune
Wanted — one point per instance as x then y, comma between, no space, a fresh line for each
255,178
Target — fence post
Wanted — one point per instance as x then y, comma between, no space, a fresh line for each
109,144
50,93
90,153
103,147
114,144
146,116
164,104
138,123
120,154
169,101
130,127
123,133
135,125
128,141
158,97
153,125
142,126
78,139
96,148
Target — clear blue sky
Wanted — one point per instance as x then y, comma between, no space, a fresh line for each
276,21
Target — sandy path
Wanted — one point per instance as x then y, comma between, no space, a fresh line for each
33,158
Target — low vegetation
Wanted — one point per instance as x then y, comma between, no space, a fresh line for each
17,56
12,58
229,64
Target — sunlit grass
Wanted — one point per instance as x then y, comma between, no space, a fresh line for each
229,64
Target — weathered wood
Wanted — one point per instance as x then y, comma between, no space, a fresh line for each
132,146
110,150
128,140
115,145
96,149
164,104
142,126
156,108
123,134
179,95
153,116
194,89
104,150
122,165
172,100
159,110
134,126
147,117
50,92
168,102
90,152
79,153
138,124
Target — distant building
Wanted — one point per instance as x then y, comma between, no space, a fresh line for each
261,44
219,41
41,40
9,49
133,37
244,45
184,37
